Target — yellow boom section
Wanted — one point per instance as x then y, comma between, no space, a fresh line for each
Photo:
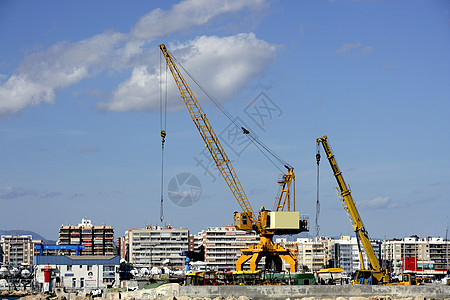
209,137
346,194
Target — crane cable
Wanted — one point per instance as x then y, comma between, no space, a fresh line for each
163,123
258,144
317,229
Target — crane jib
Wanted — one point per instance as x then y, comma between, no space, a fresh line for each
350,204
209,137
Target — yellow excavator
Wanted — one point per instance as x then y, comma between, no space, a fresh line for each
283,220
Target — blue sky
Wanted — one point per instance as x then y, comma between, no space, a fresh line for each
80,122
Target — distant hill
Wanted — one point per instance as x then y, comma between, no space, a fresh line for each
34,235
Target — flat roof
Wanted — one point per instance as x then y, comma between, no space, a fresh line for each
76,260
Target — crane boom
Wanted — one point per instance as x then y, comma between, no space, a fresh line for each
209,137
378,273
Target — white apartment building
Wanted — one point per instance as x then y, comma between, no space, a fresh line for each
17,249
314,253
223,246
154,246
428,256
346,254
292,246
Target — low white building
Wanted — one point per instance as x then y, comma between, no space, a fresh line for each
85,272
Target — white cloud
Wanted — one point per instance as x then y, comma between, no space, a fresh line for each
348,47
367,49
19,92
41,74
354,49
12,193
187,14
222,64
379,203
9,192
63,64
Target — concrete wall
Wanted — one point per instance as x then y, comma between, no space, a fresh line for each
283,292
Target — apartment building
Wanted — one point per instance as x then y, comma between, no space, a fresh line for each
428,256
314,254
292,246
97,240
346,254
155,246
17,249
223,246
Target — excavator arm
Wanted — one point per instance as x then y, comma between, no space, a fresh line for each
358,225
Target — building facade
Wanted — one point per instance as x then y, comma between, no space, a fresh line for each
292,246
154,246
428,256
346,254
17,249
223,246
85,272
314,254
97,240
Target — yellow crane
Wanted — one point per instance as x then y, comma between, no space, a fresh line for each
266,223
376,274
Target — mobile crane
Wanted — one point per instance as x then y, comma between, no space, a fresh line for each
376,274
267,223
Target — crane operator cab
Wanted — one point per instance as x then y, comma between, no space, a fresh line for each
282,222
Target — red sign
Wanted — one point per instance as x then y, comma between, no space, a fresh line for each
409,263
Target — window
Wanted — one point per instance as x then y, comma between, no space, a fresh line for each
89,268
108,268
69,268
81,282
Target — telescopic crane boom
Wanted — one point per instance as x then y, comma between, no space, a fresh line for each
267,223
376,274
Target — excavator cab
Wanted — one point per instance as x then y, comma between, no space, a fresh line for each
409,279
406,279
